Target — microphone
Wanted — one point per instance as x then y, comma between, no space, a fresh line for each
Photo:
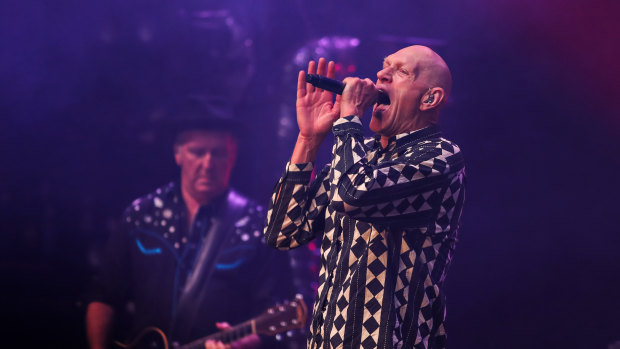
337,87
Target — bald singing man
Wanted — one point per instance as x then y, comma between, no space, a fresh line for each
388,207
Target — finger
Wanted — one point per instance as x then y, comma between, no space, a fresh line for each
350,84
337,106
331,70
301,84
338,100
347,84
312,67
372,88
321,69
311,70
349,80
222,325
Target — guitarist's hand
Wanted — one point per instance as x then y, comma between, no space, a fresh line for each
249,342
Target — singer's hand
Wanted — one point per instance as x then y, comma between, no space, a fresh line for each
358,95
315,111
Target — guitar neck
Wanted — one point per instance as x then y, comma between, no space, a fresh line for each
277,319
230,335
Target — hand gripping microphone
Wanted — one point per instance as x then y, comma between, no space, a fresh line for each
337,87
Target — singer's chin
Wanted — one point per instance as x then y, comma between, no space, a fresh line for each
375,123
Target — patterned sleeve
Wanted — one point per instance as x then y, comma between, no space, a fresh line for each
405,190
297,209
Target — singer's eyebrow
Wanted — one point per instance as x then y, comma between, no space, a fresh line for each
385,60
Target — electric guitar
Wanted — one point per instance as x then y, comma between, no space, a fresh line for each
277,319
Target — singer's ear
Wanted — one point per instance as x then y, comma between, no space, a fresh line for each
432,99
177,153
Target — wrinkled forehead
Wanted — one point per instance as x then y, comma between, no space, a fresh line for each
399,57
411,57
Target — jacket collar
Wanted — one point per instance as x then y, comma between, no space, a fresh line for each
407,139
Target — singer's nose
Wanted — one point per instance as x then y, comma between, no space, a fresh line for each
384,75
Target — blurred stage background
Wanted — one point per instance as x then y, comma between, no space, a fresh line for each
535,108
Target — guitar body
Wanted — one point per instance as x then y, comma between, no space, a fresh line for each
148,338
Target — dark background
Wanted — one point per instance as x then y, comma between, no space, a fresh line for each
535,109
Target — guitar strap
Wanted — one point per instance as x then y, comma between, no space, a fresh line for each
196,290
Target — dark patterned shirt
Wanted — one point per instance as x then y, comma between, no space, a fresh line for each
155,262
389,219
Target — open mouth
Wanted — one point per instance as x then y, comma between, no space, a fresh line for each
383,97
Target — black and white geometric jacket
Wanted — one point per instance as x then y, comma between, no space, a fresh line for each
389,219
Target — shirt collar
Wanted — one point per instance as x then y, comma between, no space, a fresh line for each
409,138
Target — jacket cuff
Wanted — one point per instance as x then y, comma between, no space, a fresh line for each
298,173
347,125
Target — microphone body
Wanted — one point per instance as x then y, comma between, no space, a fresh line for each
337,87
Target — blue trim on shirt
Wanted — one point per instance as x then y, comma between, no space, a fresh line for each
228,266
147,251
158,237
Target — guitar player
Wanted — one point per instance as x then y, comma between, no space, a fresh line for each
191,253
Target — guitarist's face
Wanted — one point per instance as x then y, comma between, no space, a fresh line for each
206,159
